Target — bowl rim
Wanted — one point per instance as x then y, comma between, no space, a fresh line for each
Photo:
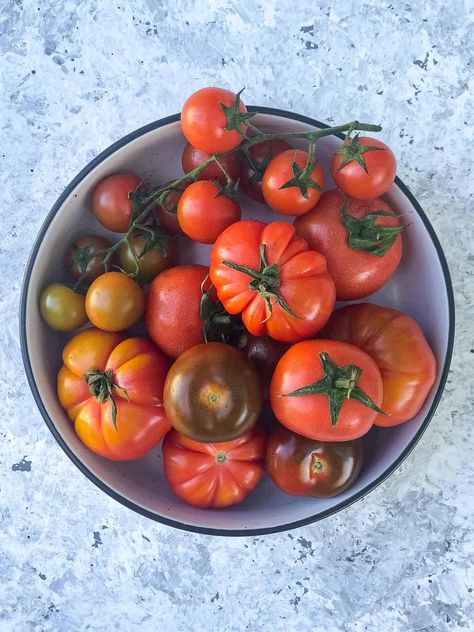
158,517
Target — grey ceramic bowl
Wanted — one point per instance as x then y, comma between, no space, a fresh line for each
421,287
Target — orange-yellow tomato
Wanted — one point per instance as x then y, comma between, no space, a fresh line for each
114,302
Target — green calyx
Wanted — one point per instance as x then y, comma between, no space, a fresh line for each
265,281
302,179
235,118
338,383
365,234
218,325
82,257
102,387
352,149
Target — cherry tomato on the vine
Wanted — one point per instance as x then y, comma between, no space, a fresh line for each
114,302
63,308
111,203
167,213
144,260
194,157
85,257
253,169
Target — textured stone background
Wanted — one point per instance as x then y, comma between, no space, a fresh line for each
76,76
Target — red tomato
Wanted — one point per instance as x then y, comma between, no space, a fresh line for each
285,187
305,467
111,203
214,474
173,309
253,169
207,117
397,344
267,273
364,168
112,389
326,390
167,213
203,212
362,247
193,157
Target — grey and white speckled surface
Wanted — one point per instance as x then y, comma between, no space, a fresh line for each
76,76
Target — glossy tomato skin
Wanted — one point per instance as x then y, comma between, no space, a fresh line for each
85,257
213,393
381,171
167,213
309,415
151,262
62,308
290,201
305,467
203,213
304,284
214,474
114,302
356,273
204,122
111,203
139,370
260,154
194,157
398,346
172,314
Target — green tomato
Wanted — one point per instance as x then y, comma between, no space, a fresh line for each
63,308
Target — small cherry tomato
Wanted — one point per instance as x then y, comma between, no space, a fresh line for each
213,119
193,157
212,393
111,203
264,353
364,168
145,259
214,474
204,212
85,258
305,467
253,169
63,308
287,188
114,302
167,213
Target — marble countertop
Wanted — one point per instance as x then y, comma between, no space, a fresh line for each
76,76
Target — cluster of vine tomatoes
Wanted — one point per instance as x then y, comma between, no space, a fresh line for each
256,329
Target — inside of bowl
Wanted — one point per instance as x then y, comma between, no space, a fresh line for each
418,288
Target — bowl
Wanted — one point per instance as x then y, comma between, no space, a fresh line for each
421,287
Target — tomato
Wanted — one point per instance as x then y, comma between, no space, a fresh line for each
114,302
111,203
145,257
285,186
85,258
364,168
173,309
361,241
193,157
213,120
326,390
253,169
214,474
264,353
203,212
397,344
212,393
112,389
267,272
62,308
167,213
305,467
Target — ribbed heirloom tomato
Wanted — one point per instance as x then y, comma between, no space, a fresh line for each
112,389
397,344
214,474
267,273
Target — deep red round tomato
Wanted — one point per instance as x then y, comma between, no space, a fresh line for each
267,273
173,309
254,168
397,344
305,467
203,212
167,213
206,120
213,393
364,168
112,389
193,157
111,203
285,187
326,390
214,474
361,243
